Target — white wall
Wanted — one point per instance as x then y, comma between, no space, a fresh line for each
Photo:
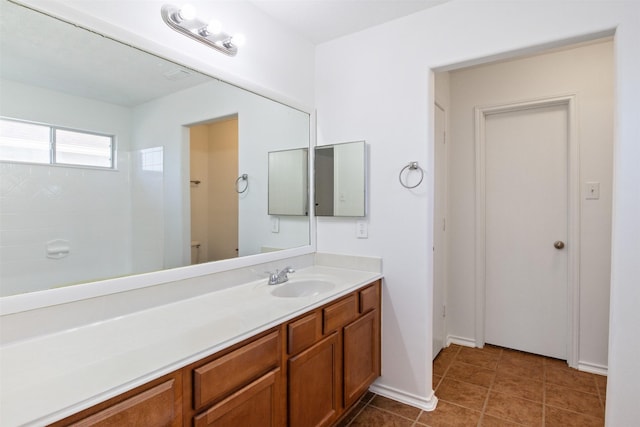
89,208
586,72
375,85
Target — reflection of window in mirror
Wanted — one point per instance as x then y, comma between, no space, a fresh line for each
288,172
340,179
26,142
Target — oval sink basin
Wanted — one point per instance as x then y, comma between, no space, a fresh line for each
302,288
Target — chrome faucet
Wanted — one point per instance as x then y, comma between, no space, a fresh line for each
280,277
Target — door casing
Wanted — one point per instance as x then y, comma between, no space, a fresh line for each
573,221
440,264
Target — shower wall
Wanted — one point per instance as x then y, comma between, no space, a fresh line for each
86,210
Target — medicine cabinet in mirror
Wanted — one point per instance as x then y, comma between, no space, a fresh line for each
339,177
138,215
288,178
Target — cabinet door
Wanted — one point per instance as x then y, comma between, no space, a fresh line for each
361,356
314,384
257,404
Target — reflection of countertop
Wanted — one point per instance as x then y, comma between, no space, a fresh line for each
49,377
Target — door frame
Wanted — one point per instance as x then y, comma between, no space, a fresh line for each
441,244
573,215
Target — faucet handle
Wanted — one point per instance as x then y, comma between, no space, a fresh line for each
273,277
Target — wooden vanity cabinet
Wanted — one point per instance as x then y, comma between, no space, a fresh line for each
334,356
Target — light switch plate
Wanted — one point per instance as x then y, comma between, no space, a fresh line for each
275,225
592,190
362,230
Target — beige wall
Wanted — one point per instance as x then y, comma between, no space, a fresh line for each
214,202
587,72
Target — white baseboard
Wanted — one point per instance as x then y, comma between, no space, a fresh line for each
593,368
426,404
466,342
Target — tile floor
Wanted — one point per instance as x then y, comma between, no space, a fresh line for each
495,386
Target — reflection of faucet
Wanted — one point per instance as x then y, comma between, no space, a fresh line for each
280,277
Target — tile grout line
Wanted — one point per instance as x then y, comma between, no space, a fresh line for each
602,404
493,380
361,409
544,392
392,413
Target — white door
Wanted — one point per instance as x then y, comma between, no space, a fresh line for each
439,247
526,213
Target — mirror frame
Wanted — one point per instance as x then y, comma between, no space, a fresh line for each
40,299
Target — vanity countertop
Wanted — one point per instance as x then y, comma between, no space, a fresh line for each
49,377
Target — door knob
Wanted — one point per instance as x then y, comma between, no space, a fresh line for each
559,244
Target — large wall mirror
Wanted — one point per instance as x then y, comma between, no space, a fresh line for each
172,131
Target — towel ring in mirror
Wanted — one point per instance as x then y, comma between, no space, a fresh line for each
244,177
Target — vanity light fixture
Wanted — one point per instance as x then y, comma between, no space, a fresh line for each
185,21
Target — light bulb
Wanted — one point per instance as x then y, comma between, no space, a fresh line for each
214,27
187,12
238,40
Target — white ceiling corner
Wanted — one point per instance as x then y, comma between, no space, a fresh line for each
322,20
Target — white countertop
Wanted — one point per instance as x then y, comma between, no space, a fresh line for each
47,378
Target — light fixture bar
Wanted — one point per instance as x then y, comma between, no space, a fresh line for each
198,30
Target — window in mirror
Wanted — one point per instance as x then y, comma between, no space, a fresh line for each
288,171
340,179
82,148
26,142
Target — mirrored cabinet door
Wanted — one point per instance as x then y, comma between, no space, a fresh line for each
340,177
288,182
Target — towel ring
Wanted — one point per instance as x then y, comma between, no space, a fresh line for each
244,177
410,167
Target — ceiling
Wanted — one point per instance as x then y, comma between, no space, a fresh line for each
322,20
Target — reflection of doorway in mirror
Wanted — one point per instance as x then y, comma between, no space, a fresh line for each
213,157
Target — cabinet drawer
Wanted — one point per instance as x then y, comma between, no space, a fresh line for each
253,405
368,299
303,333
339,314
218,378
153,407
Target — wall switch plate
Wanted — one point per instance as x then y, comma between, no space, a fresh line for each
275,225
362,230
592,190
